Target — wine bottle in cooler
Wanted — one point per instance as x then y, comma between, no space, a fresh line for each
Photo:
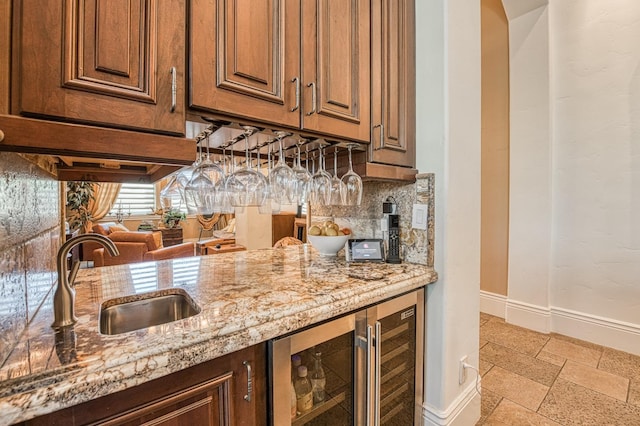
318,379
294,402
304,391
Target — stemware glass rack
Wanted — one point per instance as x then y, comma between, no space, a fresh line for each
227,144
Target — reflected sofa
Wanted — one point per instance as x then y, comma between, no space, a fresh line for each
133,247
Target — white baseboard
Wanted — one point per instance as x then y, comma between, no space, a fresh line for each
602,331
529,316
463,411
591,328
493,304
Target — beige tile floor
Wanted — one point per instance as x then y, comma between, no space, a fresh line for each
529,378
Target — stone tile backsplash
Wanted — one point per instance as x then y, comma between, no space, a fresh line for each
417,246
29,240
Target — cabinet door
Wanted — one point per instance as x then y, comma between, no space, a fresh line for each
205,404
335,67
244,58
393,82
117,63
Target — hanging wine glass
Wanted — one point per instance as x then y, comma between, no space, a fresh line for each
352,190
270,205
216,174
247,187
321,182
184,174
337,186
281,178
171,196
274,201
222,203
184,178
213,171
303,178
200,190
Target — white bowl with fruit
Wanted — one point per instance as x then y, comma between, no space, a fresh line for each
328,238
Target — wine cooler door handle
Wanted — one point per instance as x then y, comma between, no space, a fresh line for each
247,397
378,350
367,411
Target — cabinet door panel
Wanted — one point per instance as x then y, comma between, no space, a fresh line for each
107,49
335,58
99,61
393,82
249,52
244,56
205,404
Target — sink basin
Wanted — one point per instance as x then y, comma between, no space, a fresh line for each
145,310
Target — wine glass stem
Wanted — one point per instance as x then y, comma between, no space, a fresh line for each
350,162
246,151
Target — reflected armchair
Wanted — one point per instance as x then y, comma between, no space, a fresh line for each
140,247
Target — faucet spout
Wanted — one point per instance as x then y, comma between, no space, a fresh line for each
65,295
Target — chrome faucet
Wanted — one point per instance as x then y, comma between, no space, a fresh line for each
65,296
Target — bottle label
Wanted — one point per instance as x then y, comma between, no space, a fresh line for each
305,402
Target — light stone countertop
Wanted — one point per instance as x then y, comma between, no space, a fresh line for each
245,298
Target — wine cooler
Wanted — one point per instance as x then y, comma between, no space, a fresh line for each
364,368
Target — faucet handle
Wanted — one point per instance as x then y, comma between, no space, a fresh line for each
74,271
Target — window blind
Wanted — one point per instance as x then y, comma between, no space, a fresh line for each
135,198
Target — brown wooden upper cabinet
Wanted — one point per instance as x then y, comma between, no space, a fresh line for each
118,63
303,64
393,82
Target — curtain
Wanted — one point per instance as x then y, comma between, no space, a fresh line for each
105,195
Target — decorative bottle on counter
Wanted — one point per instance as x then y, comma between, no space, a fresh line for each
318,379
304,391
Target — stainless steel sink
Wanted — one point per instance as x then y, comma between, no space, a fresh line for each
145,310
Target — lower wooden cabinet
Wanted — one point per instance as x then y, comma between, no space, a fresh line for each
230,390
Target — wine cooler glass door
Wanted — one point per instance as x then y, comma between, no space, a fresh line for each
313,375
398,360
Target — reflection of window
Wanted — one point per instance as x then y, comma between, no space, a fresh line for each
185,271
135,198
144,277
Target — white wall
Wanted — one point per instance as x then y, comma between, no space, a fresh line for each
575,161
596,175
448,144
530,165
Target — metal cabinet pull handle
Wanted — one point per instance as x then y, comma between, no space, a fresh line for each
381,136
376,400
367,415
313,98
174,89
247,397
296,80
